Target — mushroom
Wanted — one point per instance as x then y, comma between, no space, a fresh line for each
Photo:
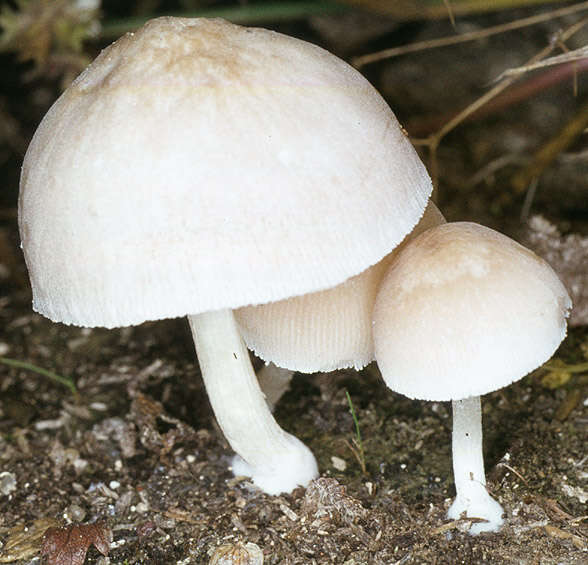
326,330
197,166
461,312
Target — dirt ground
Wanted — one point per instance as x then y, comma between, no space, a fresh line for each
138,448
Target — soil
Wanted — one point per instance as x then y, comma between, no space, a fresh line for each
137,445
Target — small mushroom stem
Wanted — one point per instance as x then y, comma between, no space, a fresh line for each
276,461
274,382
472,498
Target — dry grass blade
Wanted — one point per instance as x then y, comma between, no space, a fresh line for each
512,470
465,37
24,542
450,13
577,368
549,151
572,399
575,55
411,10
432,142
454,524
558,533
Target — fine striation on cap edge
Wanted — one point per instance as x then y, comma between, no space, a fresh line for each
326,330
198,165
464,311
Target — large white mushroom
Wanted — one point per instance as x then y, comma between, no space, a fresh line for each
197,166
463,311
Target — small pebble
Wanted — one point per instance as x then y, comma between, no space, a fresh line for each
74,513
7,483
99,406
338,463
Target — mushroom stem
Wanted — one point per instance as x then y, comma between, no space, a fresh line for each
276,461
472,498
274,382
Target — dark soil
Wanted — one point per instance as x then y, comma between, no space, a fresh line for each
138,446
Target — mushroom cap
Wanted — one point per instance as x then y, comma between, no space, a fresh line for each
198,165
326,330
463,311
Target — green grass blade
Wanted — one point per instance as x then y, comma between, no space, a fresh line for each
354,416
65,381
245,14
577,368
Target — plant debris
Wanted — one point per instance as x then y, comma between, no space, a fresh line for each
148,413
69,545
237,554
568,255
24,542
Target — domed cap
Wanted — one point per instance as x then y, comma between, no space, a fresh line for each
197,165
463,311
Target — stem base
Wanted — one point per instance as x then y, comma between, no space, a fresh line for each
283,474
276,460
475,502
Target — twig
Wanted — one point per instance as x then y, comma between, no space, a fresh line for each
565,49
549,152
552,508
556,532
39,370
470,36
493,167
513,470
455,523
529,197
579,519
574,55
517,92
432,142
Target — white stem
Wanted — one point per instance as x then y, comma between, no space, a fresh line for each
276,460
472,498
468,461
274,382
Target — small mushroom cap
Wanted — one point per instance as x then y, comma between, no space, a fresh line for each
198,165
326,330
463,311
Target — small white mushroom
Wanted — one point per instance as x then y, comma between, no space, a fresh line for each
464,311
196,167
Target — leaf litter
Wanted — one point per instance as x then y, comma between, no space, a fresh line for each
69,545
